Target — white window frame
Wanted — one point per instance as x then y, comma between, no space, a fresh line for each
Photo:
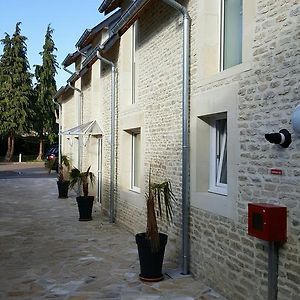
133,167
222,34
216,163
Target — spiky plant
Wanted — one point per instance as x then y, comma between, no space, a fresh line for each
83,179
159,198
64,169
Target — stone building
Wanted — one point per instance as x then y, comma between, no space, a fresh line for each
207,82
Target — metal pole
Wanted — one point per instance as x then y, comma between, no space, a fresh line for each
185,134
113,125
79,121
59,129
272,271
100,170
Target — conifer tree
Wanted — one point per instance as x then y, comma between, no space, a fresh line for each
15,89
5,79
45,122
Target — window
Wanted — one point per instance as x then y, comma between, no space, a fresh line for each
135,160
218,156
231,33
133,57
215,151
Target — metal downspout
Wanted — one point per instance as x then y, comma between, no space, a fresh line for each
185,134
59,130
82,53
112,154
68,71
79,122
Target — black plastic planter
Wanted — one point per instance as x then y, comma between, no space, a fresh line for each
63,188
151,262
85,207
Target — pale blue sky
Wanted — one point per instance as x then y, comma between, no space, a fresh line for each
68,18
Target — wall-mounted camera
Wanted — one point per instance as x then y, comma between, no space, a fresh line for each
282,138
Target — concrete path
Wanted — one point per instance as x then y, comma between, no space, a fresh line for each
46,253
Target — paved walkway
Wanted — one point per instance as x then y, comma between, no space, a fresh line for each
46,253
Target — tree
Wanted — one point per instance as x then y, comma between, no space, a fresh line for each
15,89
45,122
5,79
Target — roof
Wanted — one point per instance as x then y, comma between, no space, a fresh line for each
108,6
89,128
59,92
83,37
125,21
91,58
120,25
73,77
70,58
89,34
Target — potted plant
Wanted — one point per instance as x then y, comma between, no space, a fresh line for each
63,170
63,178
151,244
85,202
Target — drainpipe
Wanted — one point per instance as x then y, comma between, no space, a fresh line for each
68,71
59,130
185,134
112,154
79,121
82,53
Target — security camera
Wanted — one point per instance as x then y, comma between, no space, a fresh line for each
282,138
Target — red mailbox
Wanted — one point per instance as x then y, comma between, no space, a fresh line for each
267,221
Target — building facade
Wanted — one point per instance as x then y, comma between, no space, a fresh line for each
244,83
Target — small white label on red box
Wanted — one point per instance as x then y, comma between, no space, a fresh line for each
276,171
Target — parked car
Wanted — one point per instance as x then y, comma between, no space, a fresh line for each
51,158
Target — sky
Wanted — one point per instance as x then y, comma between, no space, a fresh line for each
68,18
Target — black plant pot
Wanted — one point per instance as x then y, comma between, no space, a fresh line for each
150,261
85,207
63,188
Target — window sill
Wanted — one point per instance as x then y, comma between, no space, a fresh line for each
233,71
217,191
215,203
129,107
135,190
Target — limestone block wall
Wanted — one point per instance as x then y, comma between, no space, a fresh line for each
266,90
69,120
157,112
89,105
222,253
105,116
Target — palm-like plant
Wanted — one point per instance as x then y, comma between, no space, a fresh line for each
160,195
64,169
50,164
82,179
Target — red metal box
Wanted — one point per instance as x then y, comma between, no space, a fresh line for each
267,221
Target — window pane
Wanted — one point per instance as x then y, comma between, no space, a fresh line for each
218,154
232,39
133,48
221,151
136,159
223,177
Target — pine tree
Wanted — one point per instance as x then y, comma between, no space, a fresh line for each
45,123
5,80
15,89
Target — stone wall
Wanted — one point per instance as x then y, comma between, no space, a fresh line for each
221,251
105,86
158,103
